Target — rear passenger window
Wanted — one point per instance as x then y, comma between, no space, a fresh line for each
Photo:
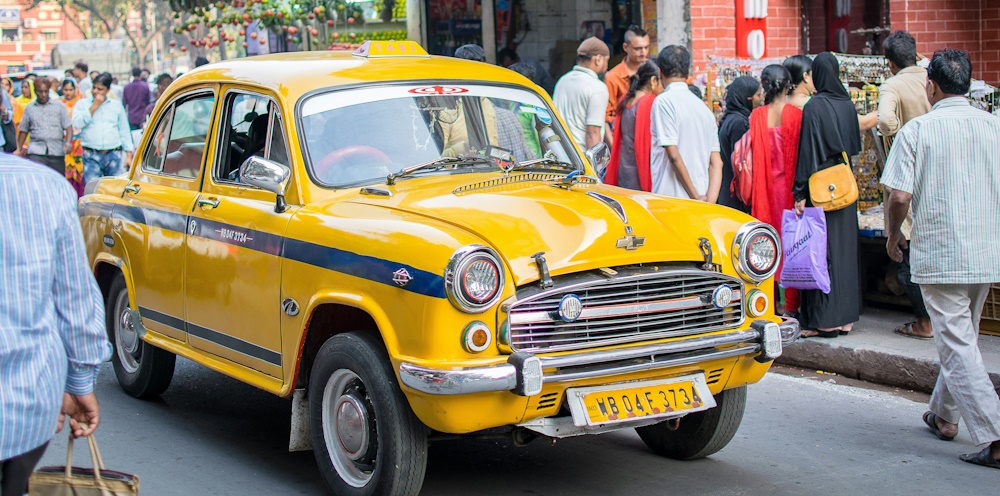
189,128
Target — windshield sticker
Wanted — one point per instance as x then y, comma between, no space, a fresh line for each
448,96
438,90
543,115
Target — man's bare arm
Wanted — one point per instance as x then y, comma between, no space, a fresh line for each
714,177
593,136
895,211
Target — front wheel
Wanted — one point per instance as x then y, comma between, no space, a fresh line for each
366,439
143,370
699,434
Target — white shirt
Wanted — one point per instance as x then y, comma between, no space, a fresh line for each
947,160
582,99
680,119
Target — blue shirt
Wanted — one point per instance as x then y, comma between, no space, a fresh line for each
52,335
107,129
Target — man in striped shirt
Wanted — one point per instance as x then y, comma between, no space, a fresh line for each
945,162
52,337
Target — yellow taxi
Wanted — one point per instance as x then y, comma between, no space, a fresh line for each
410,247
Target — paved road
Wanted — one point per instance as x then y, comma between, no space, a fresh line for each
210,435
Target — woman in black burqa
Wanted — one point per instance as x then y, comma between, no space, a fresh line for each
830,127
742,95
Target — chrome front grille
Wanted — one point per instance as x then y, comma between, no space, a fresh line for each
635,304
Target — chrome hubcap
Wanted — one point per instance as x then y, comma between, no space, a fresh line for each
352,427
349,427
127,344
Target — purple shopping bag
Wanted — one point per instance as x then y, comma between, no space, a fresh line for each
803,241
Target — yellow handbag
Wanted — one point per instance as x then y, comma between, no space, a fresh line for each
75,481
834,187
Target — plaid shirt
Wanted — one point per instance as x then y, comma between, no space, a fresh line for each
52,336
510,135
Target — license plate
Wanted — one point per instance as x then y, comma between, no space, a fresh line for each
640,400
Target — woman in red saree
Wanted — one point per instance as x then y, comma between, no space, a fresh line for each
629,166
774,129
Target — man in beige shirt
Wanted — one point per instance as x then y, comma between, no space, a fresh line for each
902,98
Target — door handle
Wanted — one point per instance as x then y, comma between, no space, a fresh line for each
208,202
132,188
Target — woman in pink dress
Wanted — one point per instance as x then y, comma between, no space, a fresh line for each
774,129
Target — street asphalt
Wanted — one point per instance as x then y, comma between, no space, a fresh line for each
212,435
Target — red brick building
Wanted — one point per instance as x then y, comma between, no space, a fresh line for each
28,35
851,26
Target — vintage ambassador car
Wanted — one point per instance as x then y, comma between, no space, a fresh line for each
410,247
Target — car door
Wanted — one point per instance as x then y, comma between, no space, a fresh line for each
233,260
153,219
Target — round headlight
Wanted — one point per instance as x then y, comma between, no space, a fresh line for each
756,249
474,278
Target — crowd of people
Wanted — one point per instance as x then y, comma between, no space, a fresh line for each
800,119
82,126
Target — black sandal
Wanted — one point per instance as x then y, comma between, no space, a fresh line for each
823,334
984,458
931,420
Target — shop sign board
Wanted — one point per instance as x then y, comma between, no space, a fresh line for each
751,29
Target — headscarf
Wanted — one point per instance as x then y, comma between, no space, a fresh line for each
738,96
735,123
829,124
76,96
25,100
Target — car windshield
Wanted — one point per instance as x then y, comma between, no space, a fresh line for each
362,135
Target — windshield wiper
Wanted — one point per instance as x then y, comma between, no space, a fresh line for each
436,163
543,161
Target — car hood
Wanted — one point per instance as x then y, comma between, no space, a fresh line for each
575,230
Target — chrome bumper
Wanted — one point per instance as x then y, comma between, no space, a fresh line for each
521,368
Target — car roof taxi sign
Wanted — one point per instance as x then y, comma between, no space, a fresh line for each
386,49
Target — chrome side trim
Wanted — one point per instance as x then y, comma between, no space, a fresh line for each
458,381
627,309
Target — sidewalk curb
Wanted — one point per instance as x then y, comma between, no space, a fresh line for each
888,369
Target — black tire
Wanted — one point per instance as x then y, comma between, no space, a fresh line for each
699,434
143,370
353,371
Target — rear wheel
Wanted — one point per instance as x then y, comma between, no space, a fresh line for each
699,434
366,439
143,370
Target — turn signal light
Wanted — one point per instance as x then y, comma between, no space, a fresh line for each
757,303
477,337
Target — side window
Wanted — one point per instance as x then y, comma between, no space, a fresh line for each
252,127
188,136
157,147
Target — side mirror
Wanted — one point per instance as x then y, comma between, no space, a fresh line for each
267,175
599,156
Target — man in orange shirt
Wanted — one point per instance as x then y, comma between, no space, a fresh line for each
636,48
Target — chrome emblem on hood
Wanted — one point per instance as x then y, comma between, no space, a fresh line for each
630,241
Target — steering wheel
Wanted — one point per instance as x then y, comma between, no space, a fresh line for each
340,163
